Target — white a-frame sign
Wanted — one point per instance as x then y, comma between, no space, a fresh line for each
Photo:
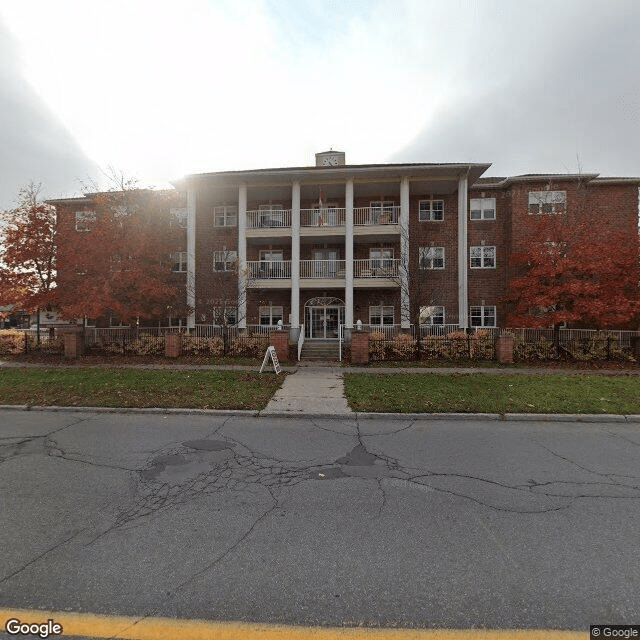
271,353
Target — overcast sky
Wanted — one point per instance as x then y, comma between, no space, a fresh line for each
159,89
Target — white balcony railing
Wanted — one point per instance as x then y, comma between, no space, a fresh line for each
366,216
277,218
269,269
326,217
376,268
322,268
279,269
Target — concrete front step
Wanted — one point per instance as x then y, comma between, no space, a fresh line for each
317,350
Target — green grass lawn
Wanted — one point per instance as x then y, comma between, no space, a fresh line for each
96,387
490,393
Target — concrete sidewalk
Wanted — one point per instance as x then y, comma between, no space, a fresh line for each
310,390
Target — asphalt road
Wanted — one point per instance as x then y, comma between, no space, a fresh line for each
438,523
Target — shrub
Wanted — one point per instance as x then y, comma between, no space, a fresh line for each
12,342
146,345
193,345
249,346
403,347
377,346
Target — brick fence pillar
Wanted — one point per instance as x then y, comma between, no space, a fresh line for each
504,349
173,345
73,344
359,347
280,340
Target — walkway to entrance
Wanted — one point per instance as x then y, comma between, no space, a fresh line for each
310,390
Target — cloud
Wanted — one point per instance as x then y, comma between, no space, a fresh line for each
35,145
567,95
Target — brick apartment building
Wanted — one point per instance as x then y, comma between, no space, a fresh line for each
388,245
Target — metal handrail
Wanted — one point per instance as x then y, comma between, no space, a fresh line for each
300,341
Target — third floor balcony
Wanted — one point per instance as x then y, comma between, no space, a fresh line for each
276,222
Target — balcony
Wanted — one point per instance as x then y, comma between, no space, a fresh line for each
323,273
323,221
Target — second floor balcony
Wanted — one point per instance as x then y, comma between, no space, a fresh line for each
367,272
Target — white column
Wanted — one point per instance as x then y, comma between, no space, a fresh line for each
295,255
405,302
191,257
463,253
242,256
348,255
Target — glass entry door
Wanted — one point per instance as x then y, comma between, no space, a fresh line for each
322,323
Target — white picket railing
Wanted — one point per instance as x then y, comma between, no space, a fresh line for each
367,216
269,269
276,218
325,217
376,268
322,268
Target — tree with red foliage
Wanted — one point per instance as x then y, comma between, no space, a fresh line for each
28,252
115,260
577,271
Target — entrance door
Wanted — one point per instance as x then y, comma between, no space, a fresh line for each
323,321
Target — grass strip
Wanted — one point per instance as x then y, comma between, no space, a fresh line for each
491,393
98,387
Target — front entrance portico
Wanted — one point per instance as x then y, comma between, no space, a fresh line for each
322,318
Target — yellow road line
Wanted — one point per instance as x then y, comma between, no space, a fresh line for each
121,627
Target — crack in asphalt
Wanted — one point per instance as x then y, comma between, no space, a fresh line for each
185,471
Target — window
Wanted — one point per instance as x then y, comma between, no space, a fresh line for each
483,316
269,316
178,218
179,261
547,202
431,210
224,260
483,257
432,257
380,315
431,315
381,211
225,215
225,316
121,210
381,258
84,220
483,209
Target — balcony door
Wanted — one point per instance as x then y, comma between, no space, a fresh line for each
325,263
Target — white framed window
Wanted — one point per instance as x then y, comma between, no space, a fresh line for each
381,315
547,202
225,215
179,259
270,315
84,220
224,260
121,210
431,210
482,209
482,316
432,257
178,217
431,315
483,257
225,316
380,258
